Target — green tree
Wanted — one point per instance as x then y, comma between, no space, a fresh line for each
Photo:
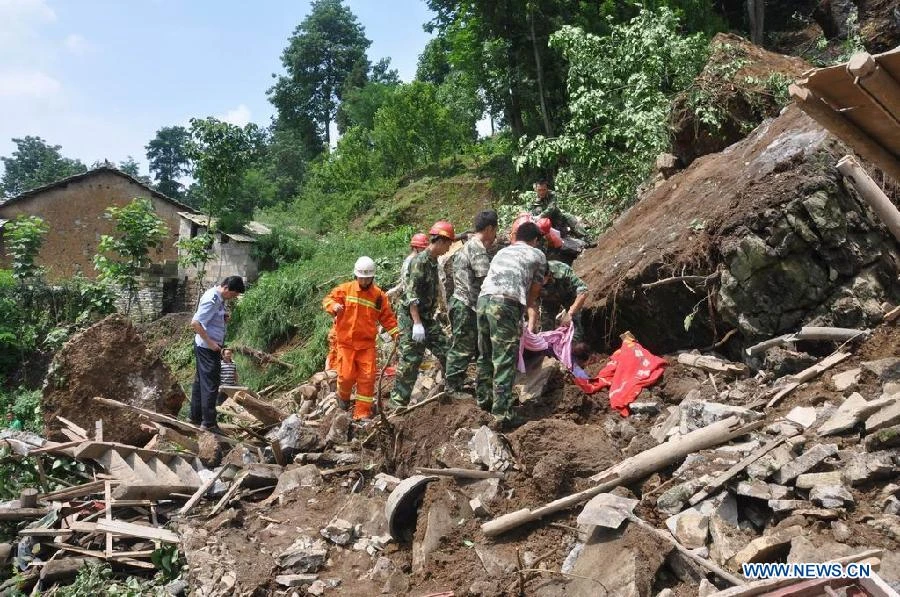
167,154
620,87
130,167
361,104
121,258
35,163
420,124
321,55
434,62
222,154
24,237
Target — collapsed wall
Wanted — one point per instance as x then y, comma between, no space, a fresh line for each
769,230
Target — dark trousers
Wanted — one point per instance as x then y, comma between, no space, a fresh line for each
206,386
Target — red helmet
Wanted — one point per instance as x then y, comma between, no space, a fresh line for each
442,228
553,238
418,241
521,219
544,225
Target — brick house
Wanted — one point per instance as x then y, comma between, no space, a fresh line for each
74,211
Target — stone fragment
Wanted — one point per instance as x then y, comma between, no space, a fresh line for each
606,510
539,380
644,408
317,588
726,539
700,413
690,528
622,570
804,550
846,379
855,409
889,524
768,464
674,499
840,531
385,482
804,416
806,462
765,547
489,449
870,466
892,505
304,555
782,506
761,490
888,416
338,531
706,588
485,490
884,439
294,437
339,431
495,562
830,496
887,369
819,513
783,428
295,580
478,508
810,480
666,424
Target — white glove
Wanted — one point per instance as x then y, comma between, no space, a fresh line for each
337,309
418,332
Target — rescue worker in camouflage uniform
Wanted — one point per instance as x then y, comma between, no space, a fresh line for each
513,285
545,206
418,327
470,266
562,291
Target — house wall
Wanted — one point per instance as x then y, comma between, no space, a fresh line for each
75,214
230,258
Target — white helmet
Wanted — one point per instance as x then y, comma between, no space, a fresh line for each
364,268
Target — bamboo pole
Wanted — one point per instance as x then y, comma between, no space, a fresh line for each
871,193
631,469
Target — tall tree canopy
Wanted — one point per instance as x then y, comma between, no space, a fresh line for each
223,154
167,154
326,49
35,163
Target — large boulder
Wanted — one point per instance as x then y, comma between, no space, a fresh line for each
770,222
108,359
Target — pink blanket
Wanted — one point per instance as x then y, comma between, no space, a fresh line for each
559,341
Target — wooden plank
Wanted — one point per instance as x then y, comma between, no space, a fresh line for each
99,554
107,513
70,493
158,417
235,485
719,481
131,529
98,430
181,440
201,492
56,448
267,413
461,473
94,450
76,428
71,435
15,514
45,532
808,375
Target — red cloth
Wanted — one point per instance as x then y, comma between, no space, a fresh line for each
629,370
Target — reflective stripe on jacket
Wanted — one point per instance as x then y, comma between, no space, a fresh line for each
357,325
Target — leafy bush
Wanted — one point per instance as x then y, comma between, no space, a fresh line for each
619,88
284,306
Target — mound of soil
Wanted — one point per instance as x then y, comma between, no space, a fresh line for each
782,241
432,427
108,359
737,89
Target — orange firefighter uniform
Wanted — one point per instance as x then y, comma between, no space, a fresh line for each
356,326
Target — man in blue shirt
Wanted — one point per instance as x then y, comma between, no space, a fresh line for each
209,324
